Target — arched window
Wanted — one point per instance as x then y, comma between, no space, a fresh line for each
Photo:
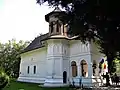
28,69
74,68
34,69
51,27
58,26
84,68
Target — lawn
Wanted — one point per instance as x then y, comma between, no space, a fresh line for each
28,86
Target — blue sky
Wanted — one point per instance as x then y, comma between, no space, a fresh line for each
22,19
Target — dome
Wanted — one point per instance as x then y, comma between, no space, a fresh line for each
57,10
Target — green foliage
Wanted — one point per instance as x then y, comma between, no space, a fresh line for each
113,68
4,78
117,66
10,56
30,86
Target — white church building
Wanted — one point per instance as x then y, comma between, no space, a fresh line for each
57,59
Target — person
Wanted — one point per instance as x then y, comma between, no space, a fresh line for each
113,79
80,81
107,79
116,79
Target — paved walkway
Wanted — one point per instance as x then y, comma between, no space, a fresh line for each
112,87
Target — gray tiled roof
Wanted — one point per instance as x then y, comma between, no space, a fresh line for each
36,43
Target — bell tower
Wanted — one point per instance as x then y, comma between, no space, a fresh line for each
56,25
57,63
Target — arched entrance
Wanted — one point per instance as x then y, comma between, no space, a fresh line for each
74,68
84,68
64,77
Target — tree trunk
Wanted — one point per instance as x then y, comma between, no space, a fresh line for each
109,60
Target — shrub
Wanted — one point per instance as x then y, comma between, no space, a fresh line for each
4,79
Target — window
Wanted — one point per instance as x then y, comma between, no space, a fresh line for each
58,26
34,69
74,68
84,68
28,69
43,43
51,27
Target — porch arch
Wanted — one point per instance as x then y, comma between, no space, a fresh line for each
74,68
84,68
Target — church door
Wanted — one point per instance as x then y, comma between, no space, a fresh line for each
64,77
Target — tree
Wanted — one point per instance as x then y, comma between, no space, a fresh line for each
4,78
96,20
10,56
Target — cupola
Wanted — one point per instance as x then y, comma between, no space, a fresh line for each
56,25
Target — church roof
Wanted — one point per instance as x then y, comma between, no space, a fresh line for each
36,43
56,10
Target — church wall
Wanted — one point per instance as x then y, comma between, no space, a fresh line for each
77,47
96,56
33,58
66,53
95,60
58,57
78,59
66,67
79,52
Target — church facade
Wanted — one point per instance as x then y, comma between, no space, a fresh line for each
56,59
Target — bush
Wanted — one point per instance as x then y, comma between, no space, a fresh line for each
4,79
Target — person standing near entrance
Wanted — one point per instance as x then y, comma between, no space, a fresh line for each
80,81
107,79
116,79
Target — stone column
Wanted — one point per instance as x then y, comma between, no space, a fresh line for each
90,70
65,30
78,70
70,71
62,27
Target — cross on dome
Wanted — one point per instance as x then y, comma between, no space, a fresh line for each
57,9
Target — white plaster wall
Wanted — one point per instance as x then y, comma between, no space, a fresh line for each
79,52
66,67
77,47
65,57
54,60
33,58
57,47
58,67
57,56
96,56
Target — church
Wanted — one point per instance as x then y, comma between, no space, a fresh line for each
58,59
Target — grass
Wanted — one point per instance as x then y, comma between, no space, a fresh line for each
28,86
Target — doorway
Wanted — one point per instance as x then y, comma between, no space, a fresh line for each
64,77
